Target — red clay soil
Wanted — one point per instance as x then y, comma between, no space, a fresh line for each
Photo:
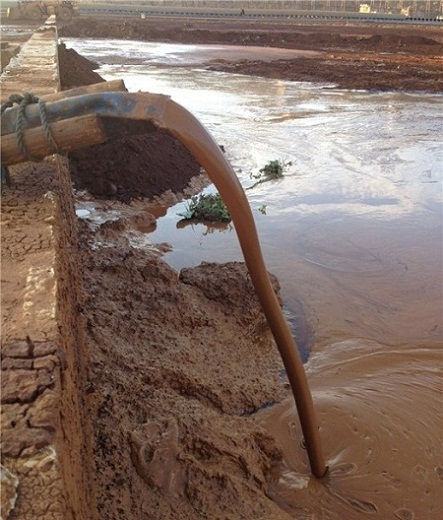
363,56
134,167
76,70
178,366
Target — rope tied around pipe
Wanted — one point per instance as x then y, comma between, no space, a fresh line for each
23,101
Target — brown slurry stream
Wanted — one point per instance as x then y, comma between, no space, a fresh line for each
380,413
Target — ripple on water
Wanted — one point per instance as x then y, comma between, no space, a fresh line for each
379,415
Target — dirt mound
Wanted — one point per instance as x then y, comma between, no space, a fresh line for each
140,166
75,70
392,40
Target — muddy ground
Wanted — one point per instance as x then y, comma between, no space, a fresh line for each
169,394
362,56
180,363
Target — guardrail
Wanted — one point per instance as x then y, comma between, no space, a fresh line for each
135,9
288,14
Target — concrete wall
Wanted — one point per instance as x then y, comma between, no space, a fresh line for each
45,447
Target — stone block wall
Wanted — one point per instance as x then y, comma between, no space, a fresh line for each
44,445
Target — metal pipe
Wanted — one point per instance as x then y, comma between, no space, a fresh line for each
163,113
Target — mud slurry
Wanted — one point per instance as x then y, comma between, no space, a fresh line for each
176,369
373,402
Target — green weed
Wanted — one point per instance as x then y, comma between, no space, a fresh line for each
271,171
209,207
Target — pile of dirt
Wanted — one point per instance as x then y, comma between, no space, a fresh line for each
140,166
397,72
75,70
131,167
7,52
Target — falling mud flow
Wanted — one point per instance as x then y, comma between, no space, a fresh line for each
353,232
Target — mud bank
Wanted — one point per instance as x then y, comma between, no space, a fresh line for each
179,364
364,56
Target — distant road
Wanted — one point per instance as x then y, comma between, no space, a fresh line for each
283,16
125,9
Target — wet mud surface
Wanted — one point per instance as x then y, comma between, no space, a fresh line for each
171,407
357,57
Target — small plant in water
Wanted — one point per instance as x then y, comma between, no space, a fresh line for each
271,171
263,209
209,207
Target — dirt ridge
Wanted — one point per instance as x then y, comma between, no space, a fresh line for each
365,56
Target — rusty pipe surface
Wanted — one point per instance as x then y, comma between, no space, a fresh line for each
164,113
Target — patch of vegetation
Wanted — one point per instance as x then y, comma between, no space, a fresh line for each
271,171
209,207
263,209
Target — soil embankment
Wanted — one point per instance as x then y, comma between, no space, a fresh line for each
363,56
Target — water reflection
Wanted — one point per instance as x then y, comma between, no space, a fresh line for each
356,221
208,227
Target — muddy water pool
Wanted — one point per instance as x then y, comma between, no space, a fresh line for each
354,233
